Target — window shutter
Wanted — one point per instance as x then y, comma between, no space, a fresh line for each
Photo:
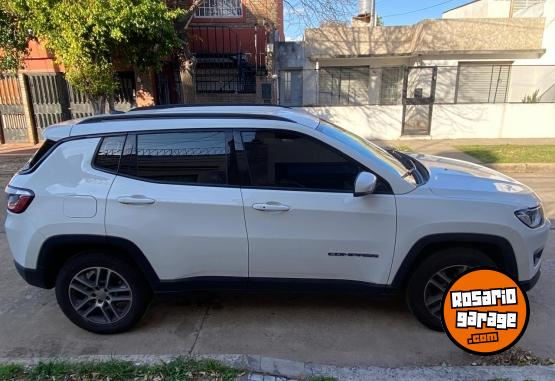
479,83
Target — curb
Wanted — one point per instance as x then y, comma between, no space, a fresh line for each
300,370
523,167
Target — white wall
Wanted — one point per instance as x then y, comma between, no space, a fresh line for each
493,121
481,9
372,122
450,121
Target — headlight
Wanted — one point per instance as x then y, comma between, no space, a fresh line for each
531,217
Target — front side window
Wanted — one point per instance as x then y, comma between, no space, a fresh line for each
220,9
288,160
189,158
363,147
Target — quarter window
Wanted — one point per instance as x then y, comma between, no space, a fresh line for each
178,158
109,153
283,159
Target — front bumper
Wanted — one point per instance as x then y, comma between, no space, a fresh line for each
528,285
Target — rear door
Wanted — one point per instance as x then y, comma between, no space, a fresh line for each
173,200
303,221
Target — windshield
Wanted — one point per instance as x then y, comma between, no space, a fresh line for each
363,146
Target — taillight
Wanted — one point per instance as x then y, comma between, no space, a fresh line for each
19,199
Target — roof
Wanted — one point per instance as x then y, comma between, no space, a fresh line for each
151,116
429,37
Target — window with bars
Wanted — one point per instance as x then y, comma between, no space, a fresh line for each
483,83
344,86
391,86
220,9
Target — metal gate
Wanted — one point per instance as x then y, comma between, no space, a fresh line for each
55,100
419,89
12,118
49,97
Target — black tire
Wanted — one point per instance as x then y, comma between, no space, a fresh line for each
446,261
125,281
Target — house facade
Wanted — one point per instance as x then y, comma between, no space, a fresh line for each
231,42
477,76
231,45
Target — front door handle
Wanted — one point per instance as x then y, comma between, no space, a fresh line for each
136,200
271,207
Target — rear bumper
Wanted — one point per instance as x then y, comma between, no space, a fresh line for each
34,277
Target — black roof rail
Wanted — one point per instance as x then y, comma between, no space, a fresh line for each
168,107
132,116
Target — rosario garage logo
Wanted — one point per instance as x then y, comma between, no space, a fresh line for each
485,312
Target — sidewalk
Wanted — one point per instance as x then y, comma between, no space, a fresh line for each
447,148
18,149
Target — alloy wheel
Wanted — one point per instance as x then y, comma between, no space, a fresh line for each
100,295
436,286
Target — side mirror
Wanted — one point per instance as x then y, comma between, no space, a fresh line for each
365,184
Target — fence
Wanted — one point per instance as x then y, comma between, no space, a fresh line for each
12,119
470,100
398,85
31,102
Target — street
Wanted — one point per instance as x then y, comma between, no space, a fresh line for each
335,330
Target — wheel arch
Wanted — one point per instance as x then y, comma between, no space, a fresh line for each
56,250
497,248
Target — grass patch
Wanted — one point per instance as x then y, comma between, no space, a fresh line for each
511,153
178,369
10,371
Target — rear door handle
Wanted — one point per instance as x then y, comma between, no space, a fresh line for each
271,207
136,200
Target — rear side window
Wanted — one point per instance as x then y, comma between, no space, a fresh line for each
41,153
108,156
189,158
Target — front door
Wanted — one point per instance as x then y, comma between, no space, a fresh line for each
171,198
302,219
418,99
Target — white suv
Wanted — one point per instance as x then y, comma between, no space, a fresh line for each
114,209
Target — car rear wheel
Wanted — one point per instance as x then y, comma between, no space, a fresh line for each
430,280
101,294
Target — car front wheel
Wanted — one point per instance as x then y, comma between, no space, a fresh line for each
101,294
428,283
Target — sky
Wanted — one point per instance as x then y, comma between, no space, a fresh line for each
393,12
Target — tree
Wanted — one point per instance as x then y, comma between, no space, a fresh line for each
92,37
13,41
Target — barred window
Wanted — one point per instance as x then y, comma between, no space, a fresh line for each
220,9
344,86
483,83
392,82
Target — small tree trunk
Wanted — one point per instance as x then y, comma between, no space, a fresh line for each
98,105
111,104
